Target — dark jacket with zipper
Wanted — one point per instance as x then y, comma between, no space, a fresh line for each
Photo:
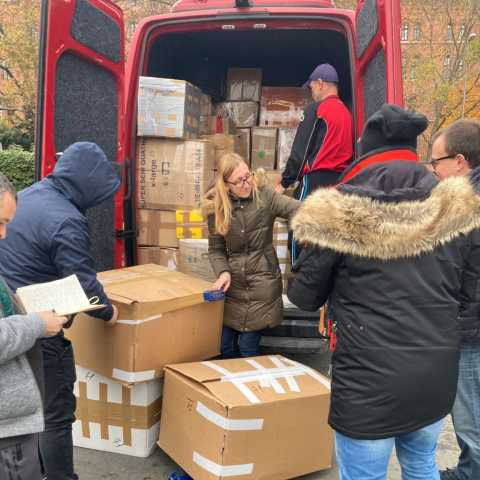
254,300
470,319
398,254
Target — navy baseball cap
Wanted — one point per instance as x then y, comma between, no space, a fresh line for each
323,72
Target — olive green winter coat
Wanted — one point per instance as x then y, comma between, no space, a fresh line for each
254,299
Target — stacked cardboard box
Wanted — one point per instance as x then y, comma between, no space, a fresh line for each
205,114
167,257
225,144
280,243
286,136
195,261
256,418
274,177
244,84
244,114
246,137
264,146
221,125
168,108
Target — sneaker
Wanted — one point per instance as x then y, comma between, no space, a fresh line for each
449,474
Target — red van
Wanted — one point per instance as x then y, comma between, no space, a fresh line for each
86,93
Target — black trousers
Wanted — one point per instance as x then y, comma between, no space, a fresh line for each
308,184
20,461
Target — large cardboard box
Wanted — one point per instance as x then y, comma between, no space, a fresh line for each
168,108
221,125
259,418
283,106
274,176
246,136
244,84
167,257
264,146
225,144
286,136
195,260
205,114
244,114
114,418
163,319
280,243
160,228
173,174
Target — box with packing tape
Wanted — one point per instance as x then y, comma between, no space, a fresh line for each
195,261
225,144
264,145
244,84
286,136
246,136
167,257
221,125
280,243
162,319
244,114
274,177
161,228
173,174
205,114
168,108
114,418
257,418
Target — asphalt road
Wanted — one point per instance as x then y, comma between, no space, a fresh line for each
93,465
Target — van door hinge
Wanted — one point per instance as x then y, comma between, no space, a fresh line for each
123,234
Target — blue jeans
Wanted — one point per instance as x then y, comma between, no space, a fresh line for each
368,459
466,413
240,345
56,442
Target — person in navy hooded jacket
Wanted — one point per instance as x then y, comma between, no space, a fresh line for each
49,239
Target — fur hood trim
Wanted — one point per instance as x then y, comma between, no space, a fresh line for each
208,206
360,226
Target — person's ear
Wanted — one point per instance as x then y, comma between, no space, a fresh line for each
462,162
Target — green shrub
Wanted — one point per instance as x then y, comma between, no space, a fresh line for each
18,166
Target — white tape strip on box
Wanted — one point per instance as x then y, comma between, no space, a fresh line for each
222,470
142,320
133,376
267,377
227,424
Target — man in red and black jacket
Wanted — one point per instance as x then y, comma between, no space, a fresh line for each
323,145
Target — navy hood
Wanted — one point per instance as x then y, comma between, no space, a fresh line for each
85,176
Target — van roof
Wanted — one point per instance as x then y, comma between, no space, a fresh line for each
184,5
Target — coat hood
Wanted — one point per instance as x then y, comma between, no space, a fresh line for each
360,225
208,205
85,176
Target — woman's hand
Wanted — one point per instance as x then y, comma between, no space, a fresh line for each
223,282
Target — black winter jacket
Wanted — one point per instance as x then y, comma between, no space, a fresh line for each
398,253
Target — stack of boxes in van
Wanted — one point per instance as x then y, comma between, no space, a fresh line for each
174,169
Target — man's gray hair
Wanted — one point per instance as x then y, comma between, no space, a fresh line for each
6,187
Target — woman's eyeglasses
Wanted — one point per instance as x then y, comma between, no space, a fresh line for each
241,183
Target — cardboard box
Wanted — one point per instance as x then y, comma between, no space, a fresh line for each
280,243
173,174
283,106
114,418
225,144
285,139
221,125
274,176
168,108
264,146
244,84
164,229
167,257
205,114
163,319
244,114
195,261
246,135
260,418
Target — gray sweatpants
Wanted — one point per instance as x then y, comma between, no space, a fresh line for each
20,461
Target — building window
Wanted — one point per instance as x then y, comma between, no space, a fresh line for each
461,32
449,34
416,32
404,34
5,74
404,67
460,65
446,67
413,73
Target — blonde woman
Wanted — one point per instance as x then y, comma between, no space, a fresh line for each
241,210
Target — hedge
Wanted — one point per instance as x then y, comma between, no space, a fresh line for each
18,166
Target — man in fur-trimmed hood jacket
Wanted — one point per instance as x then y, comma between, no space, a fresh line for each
397,253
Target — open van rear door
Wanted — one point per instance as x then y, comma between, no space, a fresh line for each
379,57
80,97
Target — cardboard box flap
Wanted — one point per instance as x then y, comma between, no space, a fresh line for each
154,284
255,380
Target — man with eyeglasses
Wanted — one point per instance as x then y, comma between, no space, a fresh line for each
456,153
323,145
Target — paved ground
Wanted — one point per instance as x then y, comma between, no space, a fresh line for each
92,465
